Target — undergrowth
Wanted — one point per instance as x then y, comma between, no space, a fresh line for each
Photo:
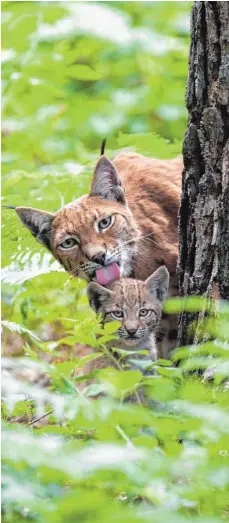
73,447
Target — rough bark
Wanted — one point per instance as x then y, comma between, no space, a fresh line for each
203,264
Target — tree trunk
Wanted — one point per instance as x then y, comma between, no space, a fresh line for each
203,264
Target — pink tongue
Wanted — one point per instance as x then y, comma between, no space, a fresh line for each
107,274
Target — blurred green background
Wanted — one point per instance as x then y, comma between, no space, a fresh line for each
72,73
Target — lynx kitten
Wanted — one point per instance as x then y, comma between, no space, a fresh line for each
137,305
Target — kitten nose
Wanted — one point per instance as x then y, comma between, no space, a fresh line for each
131,332
99,258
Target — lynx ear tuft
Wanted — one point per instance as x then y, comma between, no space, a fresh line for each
106,183
103,144
38,222
158,283
97,295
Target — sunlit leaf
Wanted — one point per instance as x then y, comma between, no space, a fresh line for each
20,329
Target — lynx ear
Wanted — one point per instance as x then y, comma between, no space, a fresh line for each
106,183
158,283
97,295
38,222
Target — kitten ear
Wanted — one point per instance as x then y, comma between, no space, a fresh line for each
97,295
158,283
38,222
106,183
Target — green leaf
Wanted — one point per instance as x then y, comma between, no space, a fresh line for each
111,327
83,72
89,357
19,329
65,368
162,363
169,372
150,143
189,304
120,382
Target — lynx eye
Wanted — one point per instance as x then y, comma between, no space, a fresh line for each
144,312
117,314
68,243
105,223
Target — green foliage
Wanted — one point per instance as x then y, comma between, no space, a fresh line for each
109,460
72,450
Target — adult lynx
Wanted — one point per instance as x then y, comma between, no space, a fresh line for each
126,226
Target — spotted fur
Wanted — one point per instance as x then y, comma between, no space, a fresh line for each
141,194
136,304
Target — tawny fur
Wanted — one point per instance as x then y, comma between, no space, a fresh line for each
137,332
130,297
147,226
144,233
153,193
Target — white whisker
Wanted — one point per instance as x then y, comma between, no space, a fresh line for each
140,238
146,238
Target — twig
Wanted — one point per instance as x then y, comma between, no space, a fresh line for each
110,355
125,437
41,417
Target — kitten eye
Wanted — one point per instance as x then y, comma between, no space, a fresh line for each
68,243
105,222
144,312
117,314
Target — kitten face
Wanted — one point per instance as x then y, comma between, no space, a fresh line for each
136,304
93,232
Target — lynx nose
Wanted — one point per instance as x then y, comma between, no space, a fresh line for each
131,332
99,258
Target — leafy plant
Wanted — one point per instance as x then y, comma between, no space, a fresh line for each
72,448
